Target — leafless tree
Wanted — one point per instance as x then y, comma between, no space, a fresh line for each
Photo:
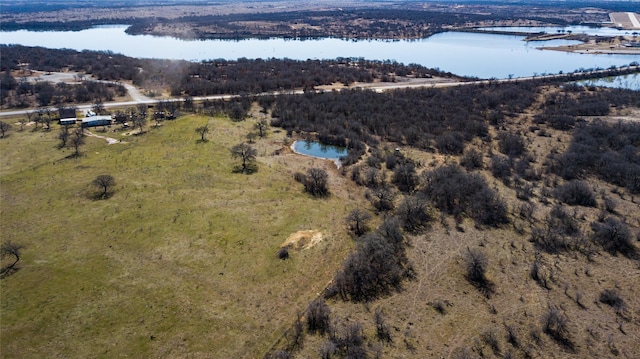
104,183
63,136
357,220
318,317
98,107
203,131
261,126
10,249
139,120
383,333
382,197
247,154
76,140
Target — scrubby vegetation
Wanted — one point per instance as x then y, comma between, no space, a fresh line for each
543,235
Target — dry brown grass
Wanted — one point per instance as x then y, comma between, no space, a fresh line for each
467,321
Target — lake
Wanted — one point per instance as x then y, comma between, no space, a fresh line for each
316,149
630,81
468,54
588,30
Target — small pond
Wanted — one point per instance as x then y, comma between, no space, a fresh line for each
317,149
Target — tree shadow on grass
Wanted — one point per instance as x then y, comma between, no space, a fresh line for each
248,169
99,196
8,270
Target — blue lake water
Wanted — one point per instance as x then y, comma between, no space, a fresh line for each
469,54
316,149
631,82
588,30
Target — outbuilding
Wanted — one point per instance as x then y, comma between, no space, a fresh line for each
94,121
67,121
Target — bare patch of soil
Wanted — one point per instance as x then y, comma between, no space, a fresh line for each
303,240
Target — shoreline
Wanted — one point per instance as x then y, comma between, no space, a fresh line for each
334,160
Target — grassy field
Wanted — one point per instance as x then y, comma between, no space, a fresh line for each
179,262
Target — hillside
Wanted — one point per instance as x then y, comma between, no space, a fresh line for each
533,184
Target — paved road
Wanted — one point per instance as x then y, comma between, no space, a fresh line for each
138,97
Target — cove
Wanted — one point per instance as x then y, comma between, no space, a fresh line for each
319,150
478,55
629,82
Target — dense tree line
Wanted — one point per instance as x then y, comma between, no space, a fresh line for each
22,93
445,119
349,23
104,65
186,78
263,75
609,151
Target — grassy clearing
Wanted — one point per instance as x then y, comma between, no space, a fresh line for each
180,261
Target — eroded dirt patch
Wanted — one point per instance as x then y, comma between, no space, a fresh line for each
303,240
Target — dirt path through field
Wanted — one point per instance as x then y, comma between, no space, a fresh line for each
109,140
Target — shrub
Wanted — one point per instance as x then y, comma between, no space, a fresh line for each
316,182
415,213
560,232
382,198
376,267
472,160
451,143
405,177
556,325
614,237
491,339
318,317
456,192
612,298
512,144
382,329
501,168
576,193
476,263
283,253
350,343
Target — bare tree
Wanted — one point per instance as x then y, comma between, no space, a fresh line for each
261,126
247,154
203,131
383,333
76,140
251,137
4,128
104,183
318,317
357,220
23,121
63,136
382,197
405,177
48,118
98,107
139,120
142,109
10,249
